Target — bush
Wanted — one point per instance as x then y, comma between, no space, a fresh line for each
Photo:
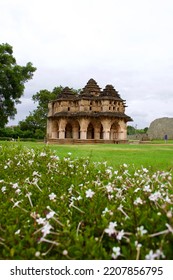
68,208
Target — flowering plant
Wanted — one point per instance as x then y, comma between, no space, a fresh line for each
73,208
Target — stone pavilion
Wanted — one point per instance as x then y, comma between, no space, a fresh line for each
92,116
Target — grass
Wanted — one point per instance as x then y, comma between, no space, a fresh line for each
156,156
73,208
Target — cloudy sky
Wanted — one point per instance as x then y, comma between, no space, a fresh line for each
126,43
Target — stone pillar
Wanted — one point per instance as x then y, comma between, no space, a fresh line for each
106,134
54,134
83,128
62,125
97,134
83,134
61,134
106,129
122,131
75,132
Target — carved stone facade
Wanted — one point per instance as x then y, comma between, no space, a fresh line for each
92,116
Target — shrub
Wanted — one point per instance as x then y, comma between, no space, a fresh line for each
73,208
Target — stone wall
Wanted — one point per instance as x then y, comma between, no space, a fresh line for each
140,137
161,127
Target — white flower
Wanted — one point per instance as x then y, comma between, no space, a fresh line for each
120,235
151,255
157,255
15,186
42,154
108,171
50,215
46,229
138,245
116,252
167,199
136,190
16,203
65,252
18,191
37,254
145,170
3,189
28,194
111,228
155,196
41,221
52,196
35,173
138,201
17,232
141,230
125,165
55,157
89,193
147,188
169,214
109,188
105,211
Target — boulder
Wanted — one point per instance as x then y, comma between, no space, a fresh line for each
161,127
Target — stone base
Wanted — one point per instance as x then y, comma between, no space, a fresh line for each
86,141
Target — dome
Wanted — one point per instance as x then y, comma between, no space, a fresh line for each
91,89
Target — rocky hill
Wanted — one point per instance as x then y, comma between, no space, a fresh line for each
161,127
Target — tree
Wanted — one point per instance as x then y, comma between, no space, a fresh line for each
37,120
12,80
130,130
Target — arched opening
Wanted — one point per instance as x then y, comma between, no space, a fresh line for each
68,131
101,132
75,130
90,131
114,131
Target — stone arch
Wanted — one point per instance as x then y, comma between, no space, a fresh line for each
68,130
72,129
75,129
90,131
98,130
114,131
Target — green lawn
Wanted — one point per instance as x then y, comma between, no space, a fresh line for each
157,156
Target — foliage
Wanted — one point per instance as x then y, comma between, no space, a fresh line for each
66,208
37,119
12,80
17,133
132,130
